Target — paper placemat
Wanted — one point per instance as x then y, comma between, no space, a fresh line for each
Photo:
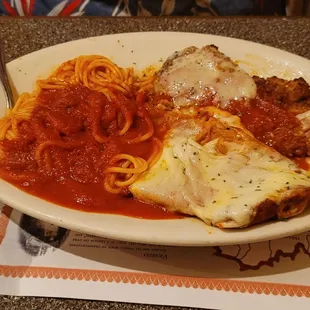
40,259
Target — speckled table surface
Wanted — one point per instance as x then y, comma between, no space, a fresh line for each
22,36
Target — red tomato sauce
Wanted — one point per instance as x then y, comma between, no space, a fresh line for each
273,126
302,163
75,180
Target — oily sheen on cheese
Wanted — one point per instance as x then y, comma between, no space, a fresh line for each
222,178
196,75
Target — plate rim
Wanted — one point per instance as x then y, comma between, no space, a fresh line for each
165,33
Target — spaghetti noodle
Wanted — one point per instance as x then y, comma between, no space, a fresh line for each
88,113
95,72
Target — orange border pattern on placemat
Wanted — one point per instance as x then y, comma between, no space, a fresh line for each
145,278
4,221
154,279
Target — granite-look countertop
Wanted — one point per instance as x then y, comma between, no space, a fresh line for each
25,35
22,36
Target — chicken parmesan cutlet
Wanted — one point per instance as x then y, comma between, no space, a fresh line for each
273,109
214,168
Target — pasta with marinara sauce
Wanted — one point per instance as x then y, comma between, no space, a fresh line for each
54,126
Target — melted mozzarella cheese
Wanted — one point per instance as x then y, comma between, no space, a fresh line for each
221,189
204,74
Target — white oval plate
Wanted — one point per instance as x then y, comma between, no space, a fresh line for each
140,50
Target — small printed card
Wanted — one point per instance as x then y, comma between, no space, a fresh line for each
40,259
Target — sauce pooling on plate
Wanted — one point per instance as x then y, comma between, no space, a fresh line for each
72,174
